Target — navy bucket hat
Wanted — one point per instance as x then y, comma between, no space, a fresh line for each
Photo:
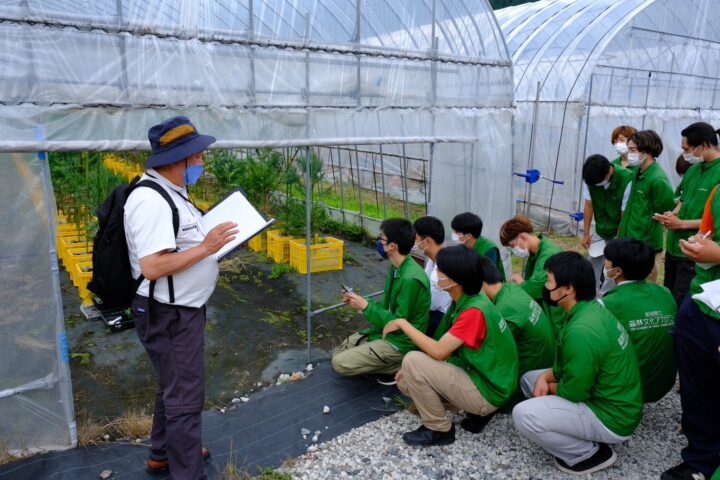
175,139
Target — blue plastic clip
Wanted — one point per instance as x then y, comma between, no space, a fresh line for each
532,176
577,216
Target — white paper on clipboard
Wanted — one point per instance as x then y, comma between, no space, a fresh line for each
234,208
597,249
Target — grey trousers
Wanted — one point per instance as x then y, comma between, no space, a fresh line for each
564,429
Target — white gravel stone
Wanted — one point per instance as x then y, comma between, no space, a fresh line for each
326,409
376,451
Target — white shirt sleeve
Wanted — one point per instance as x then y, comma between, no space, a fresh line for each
585,192
626,195
148,223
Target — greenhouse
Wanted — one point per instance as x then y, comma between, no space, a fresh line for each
584,67
417,94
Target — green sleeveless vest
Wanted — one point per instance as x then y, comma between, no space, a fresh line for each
483,245
607,204
493,367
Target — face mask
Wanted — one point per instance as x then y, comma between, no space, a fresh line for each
621,148
634,159
434,279
192,173
606,272
418,246
604,184
546,296
381,249
692,159
455,237
521,252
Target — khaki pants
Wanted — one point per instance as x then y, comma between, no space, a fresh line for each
427,381
356,356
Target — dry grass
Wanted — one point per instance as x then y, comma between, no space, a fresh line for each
5,456
131,424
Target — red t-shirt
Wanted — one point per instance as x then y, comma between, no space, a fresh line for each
470,328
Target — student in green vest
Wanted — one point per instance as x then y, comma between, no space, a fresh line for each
651,193
591,397
429,239
606,189
700,148
473,363
618,139
467,228
529,325
406,295
696,339
517,234
646,310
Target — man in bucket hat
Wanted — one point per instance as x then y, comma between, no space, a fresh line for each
179,273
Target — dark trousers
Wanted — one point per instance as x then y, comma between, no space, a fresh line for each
697,351
679,272
433,322
173,337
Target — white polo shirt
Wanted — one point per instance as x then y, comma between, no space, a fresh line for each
149,230
439,299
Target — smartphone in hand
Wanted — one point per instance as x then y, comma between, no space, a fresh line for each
346,289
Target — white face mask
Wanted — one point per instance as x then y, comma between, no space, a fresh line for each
606,271
692,159
521,252
604,184
634,159
434,279
621,148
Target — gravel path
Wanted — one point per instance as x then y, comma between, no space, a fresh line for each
376,451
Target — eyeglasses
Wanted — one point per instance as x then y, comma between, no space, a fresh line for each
383,240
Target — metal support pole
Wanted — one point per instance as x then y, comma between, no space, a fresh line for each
251,51
403,173
342,186
360,190
382,182
377,200
647,96
531,151
308,242
584,154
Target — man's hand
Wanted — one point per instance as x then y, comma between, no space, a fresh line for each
669,220
219,236
355,301
542,387
703,250
516,278
586,241
393,326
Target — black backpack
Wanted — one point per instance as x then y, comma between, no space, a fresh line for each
112,279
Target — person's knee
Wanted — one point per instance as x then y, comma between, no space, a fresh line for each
411,363
525,418
341,364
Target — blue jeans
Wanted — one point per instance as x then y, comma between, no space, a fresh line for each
697,352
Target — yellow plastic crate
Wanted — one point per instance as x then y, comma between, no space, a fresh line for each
74,257
277,246
203,204
65,243
324,257
82,279
258,243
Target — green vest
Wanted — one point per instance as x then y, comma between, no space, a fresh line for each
406,295
535,278
529,325
607,204
693,192
647,311
595,363
493,367
484,245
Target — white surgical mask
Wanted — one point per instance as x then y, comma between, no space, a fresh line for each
608,270
634,159
692,159
434,279
621,148
604,184
521,252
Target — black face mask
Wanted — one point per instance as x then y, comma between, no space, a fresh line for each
548,300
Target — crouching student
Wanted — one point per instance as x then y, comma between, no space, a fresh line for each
646,310
429,239
592,395
406,295
467,228
517,234
474,362
529,325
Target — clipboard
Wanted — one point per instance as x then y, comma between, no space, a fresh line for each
234,207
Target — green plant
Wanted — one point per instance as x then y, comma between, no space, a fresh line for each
279,269
83,357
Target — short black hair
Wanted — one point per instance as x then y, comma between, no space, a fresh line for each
595,169
491,273
635,257
400,232
432,227
682,165
700,133
571,269
647,141
467,222
462,265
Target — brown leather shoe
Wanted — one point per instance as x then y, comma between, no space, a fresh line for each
161,466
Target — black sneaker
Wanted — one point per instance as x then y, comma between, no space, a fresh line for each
475,423
603,458
682,472
426,437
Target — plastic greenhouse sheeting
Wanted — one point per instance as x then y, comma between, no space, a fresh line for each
94,75
584,67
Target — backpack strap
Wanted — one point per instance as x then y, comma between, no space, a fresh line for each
176,228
